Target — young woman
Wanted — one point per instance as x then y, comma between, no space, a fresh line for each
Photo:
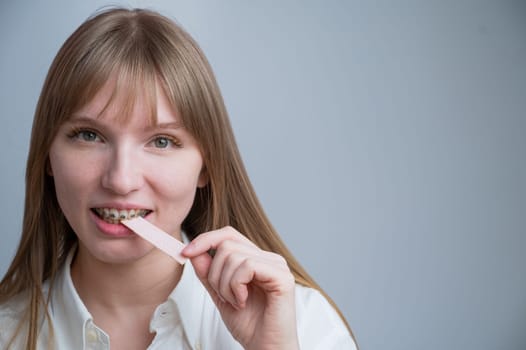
131,122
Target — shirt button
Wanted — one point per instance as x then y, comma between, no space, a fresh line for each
91,336
198,346
163,311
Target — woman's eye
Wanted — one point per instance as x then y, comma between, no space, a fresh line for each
161,142
165,142
84,135
88,136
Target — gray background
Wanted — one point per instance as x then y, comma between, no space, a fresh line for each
386,141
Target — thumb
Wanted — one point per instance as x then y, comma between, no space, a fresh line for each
201,264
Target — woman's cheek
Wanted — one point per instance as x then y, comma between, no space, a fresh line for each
179,177
74,173
177,185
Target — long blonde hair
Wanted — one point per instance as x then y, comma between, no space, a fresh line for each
140,47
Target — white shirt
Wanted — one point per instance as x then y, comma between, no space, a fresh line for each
187,320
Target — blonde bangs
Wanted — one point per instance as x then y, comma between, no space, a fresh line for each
126,64
129,86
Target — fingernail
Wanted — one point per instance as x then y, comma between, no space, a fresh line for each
188,249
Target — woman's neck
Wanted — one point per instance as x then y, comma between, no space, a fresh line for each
119,288
122,297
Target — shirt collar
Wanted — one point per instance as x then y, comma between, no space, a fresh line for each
188,296
69,312
72,317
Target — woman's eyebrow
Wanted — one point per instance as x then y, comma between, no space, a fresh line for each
170,125
79,118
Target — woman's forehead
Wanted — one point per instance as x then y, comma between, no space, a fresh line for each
121,101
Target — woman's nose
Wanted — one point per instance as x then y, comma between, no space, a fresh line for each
123,173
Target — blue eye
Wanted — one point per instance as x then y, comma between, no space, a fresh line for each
87,135
162,142
84,135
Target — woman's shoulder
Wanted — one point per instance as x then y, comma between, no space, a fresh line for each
11,314
319,325
14,307
17,305
310,300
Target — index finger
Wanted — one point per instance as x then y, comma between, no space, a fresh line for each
209,241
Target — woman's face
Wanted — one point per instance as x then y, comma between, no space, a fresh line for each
105,168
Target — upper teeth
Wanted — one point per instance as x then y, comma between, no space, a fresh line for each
115,216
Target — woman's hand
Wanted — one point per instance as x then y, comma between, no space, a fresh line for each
253,289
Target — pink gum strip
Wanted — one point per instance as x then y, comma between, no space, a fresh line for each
157,237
